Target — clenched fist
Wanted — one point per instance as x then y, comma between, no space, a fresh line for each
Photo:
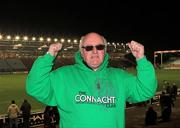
137,49
55,48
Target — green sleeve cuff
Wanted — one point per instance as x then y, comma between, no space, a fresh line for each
143,62
49,57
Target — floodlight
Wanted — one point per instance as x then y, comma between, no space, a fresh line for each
8,37
33,38
41,39
55,40
25,38
17,38
48,39
62,40
68,40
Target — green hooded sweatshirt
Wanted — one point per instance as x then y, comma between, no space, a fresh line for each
87,98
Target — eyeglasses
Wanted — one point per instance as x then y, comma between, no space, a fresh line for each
90,47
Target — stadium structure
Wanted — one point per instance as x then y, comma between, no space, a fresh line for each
167,59
17,53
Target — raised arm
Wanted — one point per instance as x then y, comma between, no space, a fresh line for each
142,86
38,82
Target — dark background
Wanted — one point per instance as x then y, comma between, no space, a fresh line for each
155,25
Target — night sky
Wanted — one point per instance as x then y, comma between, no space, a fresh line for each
155,25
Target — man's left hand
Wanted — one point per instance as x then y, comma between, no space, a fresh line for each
137,49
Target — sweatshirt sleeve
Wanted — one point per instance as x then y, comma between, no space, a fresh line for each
142,86
38,82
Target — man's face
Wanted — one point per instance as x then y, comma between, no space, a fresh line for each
93,50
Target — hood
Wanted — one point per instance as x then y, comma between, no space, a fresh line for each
13,105
80,64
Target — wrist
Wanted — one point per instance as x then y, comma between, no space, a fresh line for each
49,53
49,56
139,58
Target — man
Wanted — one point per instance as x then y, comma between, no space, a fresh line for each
151,116
26,112
13,111
174,91
49,117
166,103
89,94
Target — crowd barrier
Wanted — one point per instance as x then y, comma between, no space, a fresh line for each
36,119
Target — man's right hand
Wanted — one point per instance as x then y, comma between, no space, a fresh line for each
55,48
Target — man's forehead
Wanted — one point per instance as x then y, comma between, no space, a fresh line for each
93,39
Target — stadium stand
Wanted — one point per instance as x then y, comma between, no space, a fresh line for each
4,67
10,65
173,63
28,62
19,53
16,64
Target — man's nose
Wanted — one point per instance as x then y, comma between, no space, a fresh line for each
94,50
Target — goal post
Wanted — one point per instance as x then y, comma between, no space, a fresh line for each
161,57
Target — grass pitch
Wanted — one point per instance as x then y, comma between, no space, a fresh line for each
12,87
